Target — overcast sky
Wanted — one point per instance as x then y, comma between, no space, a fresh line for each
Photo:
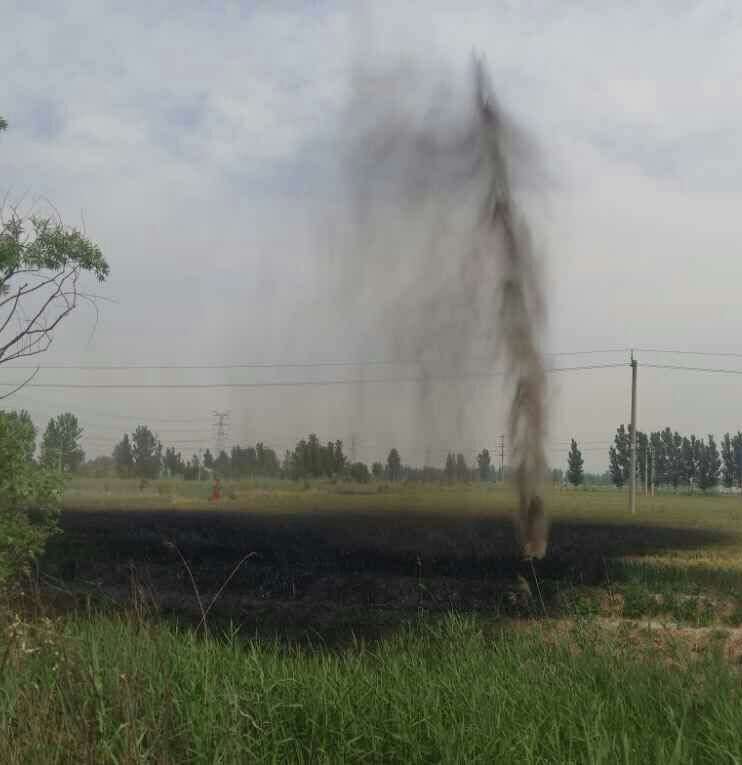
197,144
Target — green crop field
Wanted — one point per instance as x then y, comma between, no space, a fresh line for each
376,623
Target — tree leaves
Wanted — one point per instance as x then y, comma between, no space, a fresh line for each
60,448
575,463
30,496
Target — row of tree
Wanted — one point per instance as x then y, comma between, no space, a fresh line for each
312,459
668,458
60,445
141,455
664,458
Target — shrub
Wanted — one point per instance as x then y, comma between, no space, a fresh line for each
29,498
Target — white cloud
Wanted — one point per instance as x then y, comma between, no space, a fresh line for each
201,145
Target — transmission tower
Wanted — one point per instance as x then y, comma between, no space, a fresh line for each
221,425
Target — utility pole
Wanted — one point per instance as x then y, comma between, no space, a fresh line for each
501,447
646,470
60,460
632,493
221,424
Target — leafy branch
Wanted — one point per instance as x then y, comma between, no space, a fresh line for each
41,262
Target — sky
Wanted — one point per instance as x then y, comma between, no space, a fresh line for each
198,144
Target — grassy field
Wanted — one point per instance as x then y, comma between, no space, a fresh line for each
454,692
377,623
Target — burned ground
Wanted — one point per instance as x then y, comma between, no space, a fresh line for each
335,574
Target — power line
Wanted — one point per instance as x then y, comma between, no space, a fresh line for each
569,442
728,354
99,441
245,365
96,436
291,383
341,364
107,415
590,352
679,367
614,365
601,448
282,364
111,442
459,447
190,431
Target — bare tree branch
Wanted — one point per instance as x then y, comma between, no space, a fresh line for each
13,309
54,208
22,385
94,304
4,206
34,272
35,288
38,316
24,354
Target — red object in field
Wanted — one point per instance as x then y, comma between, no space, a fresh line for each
216,492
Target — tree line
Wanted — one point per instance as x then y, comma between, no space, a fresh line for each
664,458
60,448
671,459
141,454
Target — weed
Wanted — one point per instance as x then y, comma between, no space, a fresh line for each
638,601
450,691
734,618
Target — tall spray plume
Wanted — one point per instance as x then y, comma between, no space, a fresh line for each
440,265
519,329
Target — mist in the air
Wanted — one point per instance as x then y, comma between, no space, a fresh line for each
436,271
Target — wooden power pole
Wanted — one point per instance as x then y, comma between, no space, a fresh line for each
632,492
501,446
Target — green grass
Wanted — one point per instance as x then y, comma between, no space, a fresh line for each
600,680
697,511
455,691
